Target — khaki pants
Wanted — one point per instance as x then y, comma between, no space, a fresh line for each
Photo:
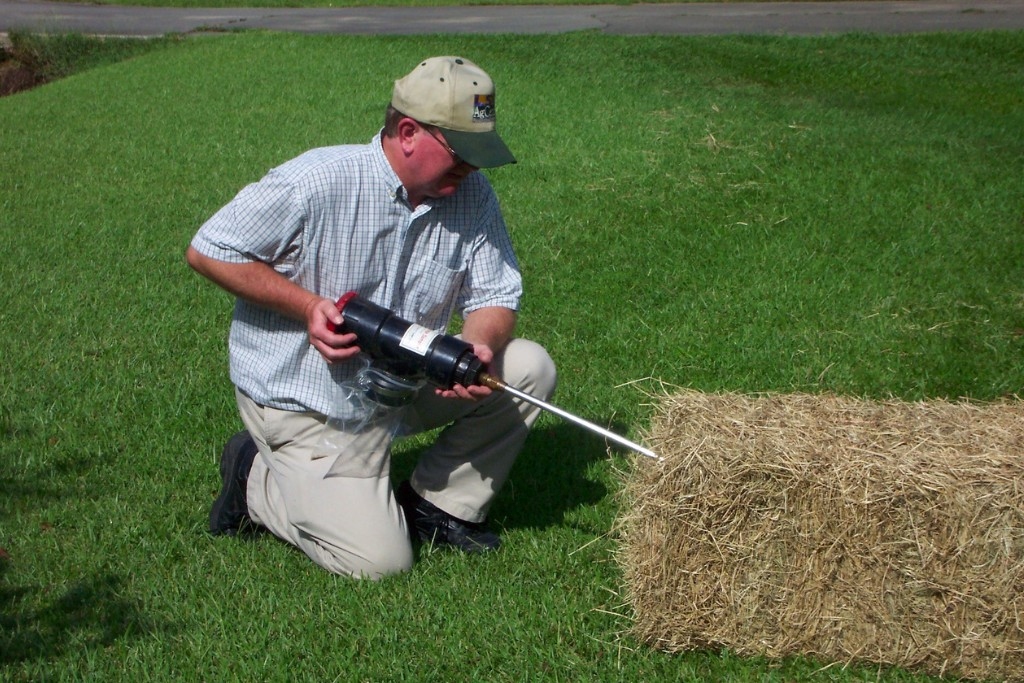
339,507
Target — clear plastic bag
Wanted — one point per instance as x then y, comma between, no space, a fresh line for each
369,412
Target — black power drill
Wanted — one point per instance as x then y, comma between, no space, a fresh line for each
408,349
412,351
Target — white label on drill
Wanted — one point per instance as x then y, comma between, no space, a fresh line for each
418,339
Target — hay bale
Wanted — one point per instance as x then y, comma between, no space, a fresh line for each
840,529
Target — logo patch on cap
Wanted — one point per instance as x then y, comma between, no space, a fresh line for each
483,108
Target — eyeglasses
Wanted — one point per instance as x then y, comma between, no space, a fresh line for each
456,159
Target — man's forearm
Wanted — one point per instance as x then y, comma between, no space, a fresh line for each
492,326
255,282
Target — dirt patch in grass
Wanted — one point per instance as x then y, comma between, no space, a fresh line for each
16,77
16,74
28,60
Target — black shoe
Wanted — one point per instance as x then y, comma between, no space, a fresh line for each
430,524
230,512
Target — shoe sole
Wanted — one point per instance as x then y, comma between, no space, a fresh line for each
229,487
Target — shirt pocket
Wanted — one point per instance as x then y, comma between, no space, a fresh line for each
431,290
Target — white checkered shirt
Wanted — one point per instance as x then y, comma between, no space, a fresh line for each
335,220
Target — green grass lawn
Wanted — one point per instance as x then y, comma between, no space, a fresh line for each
837,214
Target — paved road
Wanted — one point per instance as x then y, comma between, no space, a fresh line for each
796,18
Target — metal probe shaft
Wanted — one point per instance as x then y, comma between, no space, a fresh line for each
496,384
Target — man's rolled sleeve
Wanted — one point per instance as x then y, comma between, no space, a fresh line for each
263,222
494,278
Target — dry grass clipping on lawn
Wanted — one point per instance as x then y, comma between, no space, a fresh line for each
840,529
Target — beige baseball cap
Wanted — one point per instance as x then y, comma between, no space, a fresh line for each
457,96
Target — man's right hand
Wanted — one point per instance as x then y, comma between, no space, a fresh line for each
322,319
259,283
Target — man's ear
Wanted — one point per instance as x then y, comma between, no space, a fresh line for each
406,134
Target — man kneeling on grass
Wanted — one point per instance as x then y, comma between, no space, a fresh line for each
409,223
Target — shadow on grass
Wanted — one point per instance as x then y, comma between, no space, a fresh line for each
45,621
90,613
552,478
29,487
549,479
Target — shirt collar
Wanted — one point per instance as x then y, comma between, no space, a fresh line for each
395,188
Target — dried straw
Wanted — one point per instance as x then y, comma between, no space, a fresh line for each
835,528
